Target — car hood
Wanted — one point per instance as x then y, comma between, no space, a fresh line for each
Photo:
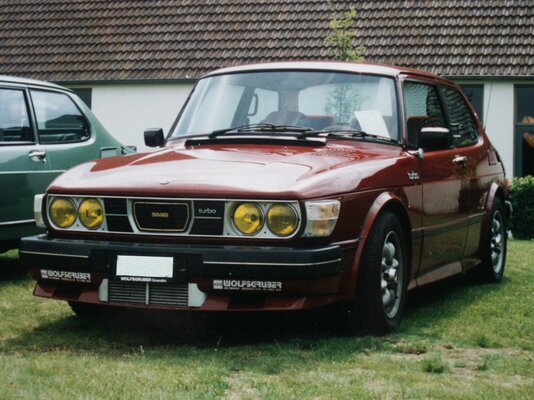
237,170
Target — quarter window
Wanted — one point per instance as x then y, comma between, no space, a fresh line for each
461,123
58,118
14,121
423,109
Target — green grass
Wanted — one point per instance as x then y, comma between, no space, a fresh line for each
458,340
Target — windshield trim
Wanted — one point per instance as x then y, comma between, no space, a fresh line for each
393,77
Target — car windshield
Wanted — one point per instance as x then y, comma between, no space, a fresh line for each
316,100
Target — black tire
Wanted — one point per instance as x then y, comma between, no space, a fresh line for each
382,280
85,310
494,246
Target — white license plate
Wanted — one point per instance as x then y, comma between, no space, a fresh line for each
145,266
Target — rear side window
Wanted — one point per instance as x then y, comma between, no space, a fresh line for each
58,118
423,109
14,121
461,123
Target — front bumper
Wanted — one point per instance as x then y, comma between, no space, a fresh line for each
211,277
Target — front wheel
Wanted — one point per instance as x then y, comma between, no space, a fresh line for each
383,277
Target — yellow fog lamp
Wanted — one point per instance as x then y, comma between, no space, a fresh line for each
248,218
321,217
91,213
62,212
282,219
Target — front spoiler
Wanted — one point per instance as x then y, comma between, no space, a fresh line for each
203,261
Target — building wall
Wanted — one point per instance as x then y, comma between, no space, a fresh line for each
499,120
126,110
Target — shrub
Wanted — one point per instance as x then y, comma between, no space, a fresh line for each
522,198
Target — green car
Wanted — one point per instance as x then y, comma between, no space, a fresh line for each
44,130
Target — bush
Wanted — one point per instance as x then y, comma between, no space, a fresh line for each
522,198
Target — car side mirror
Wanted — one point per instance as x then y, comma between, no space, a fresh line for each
434,138
154,137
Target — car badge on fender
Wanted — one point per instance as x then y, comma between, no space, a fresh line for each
413,176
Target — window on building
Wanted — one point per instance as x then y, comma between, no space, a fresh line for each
85,94
475,95
524,130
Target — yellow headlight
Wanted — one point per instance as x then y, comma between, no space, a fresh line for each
63,212
282,219
91,213
248,218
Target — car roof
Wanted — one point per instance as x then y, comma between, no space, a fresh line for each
356,67
30,82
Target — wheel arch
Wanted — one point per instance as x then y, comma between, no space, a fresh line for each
384,202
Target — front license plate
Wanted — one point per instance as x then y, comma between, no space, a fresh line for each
144,268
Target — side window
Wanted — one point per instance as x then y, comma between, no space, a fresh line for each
423,109
462,125
14,121
58,118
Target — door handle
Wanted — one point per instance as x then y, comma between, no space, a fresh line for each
460,160
37,155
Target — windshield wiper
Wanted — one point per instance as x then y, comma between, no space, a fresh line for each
261,127
345,133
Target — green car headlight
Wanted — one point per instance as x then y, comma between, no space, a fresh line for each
63,212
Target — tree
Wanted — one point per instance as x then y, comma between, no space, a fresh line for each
342,35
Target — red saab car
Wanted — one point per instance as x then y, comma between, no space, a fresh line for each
283,186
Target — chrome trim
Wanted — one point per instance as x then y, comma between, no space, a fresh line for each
228,229
277,264
21,222
53,254
195,297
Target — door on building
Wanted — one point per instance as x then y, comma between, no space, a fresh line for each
524,130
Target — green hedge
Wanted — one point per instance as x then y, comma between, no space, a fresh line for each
522,198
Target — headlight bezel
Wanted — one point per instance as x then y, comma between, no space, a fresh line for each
77,226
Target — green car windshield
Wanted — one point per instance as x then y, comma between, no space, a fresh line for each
316,100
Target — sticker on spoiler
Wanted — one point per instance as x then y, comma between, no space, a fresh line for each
232,284
69,276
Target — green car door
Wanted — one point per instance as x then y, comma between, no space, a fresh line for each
24,169
44,130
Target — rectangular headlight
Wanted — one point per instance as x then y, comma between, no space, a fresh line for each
38,210
321,217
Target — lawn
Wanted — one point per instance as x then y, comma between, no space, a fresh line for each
459,340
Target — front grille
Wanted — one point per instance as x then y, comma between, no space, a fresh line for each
165,294
118,223
161,216
117,215
115,206
127,292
